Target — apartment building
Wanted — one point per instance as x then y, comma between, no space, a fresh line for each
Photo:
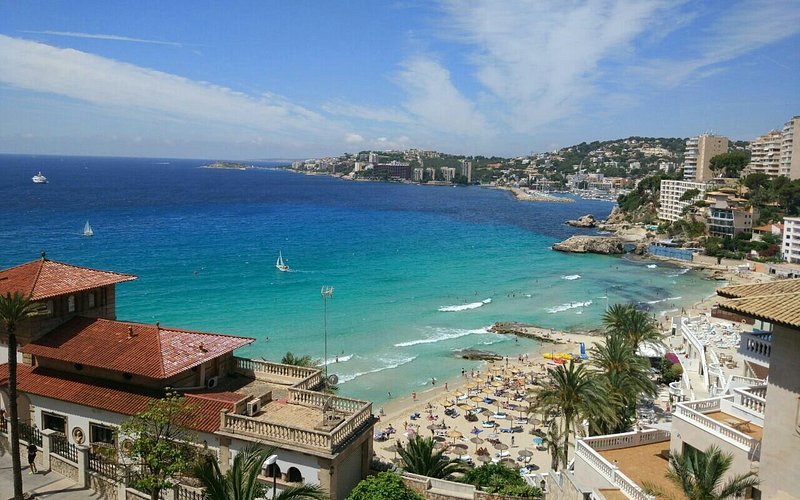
790,149
728,215
698,154
670,204
765,154
448,173
790,247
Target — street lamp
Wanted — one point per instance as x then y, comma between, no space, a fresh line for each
271,461
326,292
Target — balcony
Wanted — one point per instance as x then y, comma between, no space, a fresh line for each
756,346
720,419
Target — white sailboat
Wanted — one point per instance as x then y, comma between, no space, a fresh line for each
280,265
39,179
87,230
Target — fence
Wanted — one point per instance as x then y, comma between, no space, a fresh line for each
103,466
671,253
60,446
30,434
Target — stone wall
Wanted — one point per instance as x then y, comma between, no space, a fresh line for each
103,488
63,467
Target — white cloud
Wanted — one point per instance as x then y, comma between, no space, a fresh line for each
369,113
435,101
136,90
352,138
102,36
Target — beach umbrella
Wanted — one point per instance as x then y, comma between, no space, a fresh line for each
439,445
477,441
477,399
500,446
509,462
447,404
483,458
454,434
459,393
392,448
459,448
525,453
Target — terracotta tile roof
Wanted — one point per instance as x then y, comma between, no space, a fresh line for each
782,308
758,371
770,288
140,349
115,397
42,279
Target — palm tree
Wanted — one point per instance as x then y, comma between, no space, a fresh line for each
15,309
634,325
241,481
699,474
626,376
305,361
552,440
572,391
419,457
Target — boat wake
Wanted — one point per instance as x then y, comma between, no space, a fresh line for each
568,306
571,277
390,364
443,334
465,307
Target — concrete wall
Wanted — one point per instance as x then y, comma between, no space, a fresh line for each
780,447
685,432
589,476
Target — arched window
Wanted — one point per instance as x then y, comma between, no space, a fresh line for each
71,303
273,470
294,476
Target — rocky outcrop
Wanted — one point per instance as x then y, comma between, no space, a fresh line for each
617,216
587,220
591,244
477,354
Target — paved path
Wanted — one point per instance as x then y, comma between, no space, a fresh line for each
42,485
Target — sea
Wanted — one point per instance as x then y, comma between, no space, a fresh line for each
418,272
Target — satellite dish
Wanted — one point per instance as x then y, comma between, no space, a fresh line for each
333,380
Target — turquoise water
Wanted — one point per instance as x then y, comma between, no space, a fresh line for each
417,271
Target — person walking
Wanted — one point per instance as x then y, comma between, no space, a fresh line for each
32,459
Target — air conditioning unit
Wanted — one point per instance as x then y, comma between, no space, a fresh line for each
253,407
212,382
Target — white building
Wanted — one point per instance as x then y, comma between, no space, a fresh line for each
448,173
790,149
698,154
670,204
790,248
765,154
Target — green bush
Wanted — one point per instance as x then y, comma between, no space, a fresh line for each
384,486
670,372
497,478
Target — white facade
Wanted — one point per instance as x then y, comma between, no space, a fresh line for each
670,202
790,143
791,240
698,154
765,154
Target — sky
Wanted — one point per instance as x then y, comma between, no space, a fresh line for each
303,79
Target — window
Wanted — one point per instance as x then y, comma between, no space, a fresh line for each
91,299
71,303
101,434
54,422
293,475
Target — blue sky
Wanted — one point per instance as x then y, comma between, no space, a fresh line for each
268,79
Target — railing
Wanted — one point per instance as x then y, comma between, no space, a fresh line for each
692,412
608,471
741,380
30,434
3,425
753,398
689,335
63,448
183,493
278,369
103,466
316,399
756,346
627,439
241,424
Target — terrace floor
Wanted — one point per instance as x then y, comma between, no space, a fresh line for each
744,426
646,463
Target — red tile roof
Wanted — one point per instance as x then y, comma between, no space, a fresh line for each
42,279
115,397
140,349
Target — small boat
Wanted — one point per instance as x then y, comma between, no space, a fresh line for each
87,230
280,265
39,179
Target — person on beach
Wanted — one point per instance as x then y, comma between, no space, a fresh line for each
433,380
414,396
445,386
32,459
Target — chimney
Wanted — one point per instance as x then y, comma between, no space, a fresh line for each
202,348
130,331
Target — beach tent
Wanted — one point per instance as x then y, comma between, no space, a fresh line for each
583,351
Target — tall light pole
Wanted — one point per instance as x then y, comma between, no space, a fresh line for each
326,292
271,461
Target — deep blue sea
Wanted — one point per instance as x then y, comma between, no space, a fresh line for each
417,271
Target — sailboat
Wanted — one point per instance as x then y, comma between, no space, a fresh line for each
87,230
280,265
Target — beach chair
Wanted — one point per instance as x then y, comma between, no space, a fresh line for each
583,351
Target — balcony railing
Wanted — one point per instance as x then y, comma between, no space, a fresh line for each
694,412
266,368
609,471
753,398
756,346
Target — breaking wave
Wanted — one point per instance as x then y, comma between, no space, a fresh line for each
339,359
568,306
441,335
651,266
390,364
465,307
571,277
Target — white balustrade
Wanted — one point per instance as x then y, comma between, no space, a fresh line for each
586,450
692,412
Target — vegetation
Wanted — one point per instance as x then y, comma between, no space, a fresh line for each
646,194
14,309
384,486
306,361
420,457
501,480
689,194
670,372
635,326
241,481
729,164
572,391
699,475
160,450
553,441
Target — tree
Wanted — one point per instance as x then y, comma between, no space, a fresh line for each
241,481
384,486
501,480
699,474
552,440
635,326
729,164
571,390
306,361
420,457
160,448
689,194
14,309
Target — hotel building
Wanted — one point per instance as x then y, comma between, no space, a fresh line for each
83,372
765,154
790,149
670,204
698,154
790,248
